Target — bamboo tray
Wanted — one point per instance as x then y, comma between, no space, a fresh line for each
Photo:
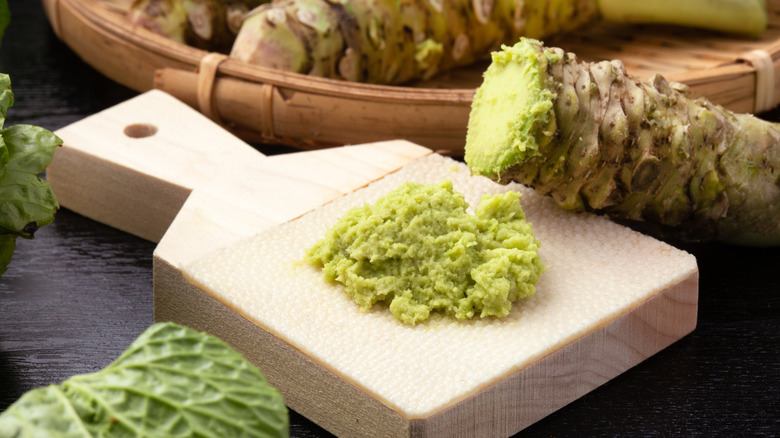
264,105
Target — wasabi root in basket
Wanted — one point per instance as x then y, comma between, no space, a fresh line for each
206,24
383,41
597,139
391,42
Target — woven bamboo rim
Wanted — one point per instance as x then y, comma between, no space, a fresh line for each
260,104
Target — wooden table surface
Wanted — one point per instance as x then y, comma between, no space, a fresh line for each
75,297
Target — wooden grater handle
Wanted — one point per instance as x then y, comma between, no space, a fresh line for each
153,166
132,166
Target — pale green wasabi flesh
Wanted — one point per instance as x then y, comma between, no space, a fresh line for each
512,112
418,250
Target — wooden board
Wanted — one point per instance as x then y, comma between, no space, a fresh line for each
610,298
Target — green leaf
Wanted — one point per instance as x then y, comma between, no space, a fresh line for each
26,201
39,412
30,148
6,96
171,382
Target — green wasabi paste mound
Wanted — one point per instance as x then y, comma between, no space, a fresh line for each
419,250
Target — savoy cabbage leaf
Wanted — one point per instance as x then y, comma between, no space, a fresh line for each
27,202
171,382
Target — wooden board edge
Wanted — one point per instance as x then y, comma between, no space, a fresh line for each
499,410
329,397
539,389
113,194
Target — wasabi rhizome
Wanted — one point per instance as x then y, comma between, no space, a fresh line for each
597,139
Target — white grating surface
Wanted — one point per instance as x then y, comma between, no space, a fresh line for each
597,271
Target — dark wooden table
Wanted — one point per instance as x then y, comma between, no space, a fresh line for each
76,296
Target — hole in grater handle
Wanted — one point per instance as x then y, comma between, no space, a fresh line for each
140,130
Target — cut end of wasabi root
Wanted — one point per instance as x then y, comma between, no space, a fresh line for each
511,114
596,139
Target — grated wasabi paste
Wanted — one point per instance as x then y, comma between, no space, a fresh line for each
418,250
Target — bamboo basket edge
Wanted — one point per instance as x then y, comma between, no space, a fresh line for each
432,117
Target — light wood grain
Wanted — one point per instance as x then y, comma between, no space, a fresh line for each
498,410
200,192
103,174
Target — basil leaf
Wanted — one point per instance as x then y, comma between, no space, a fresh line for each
26,201
6,96
171,382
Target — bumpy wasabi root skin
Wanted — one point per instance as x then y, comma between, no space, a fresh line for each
633,150
206,24
395,41
419,251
